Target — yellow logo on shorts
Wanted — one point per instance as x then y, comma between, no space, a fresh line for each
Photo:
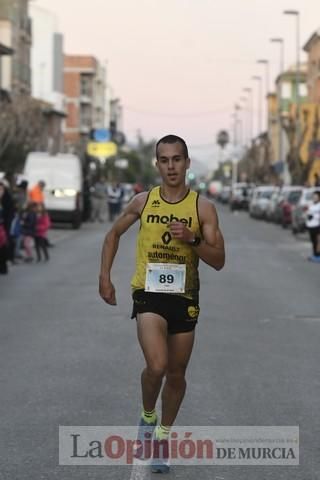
193,312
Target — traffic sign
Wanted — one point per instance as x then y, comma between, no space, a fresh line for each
103,149
102,135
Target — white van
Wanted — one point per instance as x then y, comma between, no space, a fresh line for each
62,175
260,200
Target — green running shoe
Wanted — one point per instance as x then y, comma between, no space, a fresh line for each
143,444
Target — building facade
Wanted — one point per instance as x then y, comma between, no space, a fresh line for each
84,88
281,106
4,52
16,33
312,47
47,63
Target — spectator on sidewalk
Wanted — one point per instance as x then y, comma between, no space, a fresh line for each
99,194
36,194
7,207
15,234
20,194
86,214
4,242
3,247
43,224
313,225
114,200
28,230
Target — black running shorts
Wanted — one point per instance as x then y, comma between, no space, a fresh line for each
181,313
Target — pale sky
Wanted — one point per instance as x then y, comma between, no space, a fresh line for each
179,66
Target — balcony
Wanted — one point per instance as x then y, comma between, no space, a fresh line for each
85,99
84,129
21,75
4,50
26,29
85,124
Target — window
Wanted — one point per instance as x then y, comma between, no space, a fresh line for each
86,85
303,90
86,116
286,90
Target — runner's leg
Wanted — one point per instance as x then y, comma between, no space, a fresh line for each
152,335
179,351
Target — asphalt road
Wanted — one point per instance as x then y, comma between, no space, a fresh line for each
68,359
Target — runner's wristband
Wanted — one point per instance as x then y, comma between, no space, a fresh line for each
195,242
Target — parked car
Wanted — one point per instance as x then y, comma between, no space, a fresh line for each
224,195
248,196
299,212
239,196
291,198
272,205
260,200
277,215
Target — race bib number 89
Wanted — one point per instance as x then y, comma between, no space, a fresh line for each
165,278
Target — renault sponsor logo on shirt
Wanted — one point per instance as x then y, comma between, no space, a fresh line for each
164,219
166,238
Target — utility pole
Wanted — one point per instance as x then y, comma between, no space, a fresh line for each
260,102
296,13
250,113
281,158
267,84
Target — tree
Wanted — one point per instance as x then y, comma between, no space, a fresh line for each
307,167
22,129
146,153
140,164
255,163
295,139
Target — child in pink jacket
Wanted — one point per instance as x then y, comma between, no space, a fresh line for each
42,226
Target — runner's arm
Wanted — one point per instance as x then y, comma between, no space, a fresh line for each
111,242
211,249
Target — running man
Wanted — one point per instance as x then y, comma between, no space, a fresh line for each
177,228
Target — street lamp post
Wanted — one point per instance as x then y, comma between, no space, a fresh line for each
280,41
235,145
267,75
240,123
296,13
243,101
250,113
260,102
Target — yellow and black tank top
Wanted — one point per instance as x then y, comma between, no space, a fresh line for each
156,245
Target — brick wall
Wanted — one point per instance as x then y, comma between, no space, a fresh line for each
71,84
80,62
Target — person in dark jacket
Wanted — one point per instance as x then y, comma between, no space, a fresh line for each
28,230
6,216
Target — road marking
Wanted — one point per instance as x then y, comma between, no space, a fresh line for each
265,320
307,319
140,471
293,246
